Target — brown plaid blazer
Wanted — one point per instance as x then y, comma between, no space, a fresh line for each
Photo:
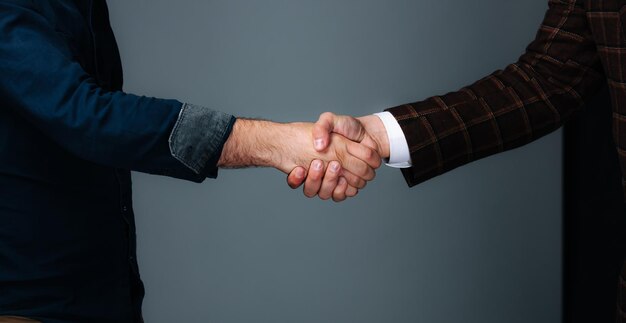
580,46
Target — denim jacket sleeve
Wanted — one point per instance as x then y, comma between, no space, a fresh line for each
198,138
41,81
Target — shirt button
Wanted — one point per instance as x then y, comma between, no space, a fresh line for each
131,257
124,208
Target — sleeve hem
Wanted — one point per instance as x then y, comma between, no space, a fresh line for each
399,155
198,138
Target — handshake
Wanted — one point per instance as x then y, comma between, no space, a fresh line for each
333,158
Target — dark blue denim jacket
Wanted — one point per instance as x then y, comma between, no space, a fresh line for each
69,138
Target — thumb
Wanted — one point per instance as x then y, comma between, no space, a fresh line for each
328,123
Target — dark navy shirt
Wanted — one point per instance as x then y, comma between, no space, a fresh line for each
69,138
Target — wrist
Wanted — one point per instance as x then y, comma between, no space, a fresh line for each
252,143
267,144
376,129
293,146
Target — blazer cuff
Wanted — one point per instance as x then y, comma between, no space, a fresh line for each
415,131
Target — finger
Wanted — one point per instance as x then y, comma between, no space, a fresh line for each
339,194
322,130
357,167
351,191
353,180
296,177
330,180
364,153
314,178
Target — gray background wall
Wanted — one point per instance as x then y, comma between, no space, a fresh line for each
480,244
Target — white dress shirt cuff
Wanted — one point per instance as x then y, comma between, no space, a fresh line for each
399,156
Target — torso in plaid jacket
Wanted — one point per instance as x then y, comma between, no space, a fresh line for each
580,47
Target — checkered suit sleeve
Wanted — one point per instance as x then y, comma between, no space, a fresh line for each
509,108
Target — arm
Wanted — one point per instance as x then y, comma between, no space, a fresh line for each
286,146
41,81
558,72
509,108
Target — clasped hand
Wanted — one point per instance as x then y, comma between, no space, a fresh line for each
334,157
358,143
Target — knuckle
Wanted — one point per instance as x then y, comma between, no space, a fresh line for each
369,174
355,182
309,193
364,172
330,179
378,162
315,176
341,156
339,199
374,159
361,183
332,172
327,115
369,154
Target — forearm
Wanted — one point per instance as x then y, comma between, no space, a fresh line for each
260,143
250,144
501,112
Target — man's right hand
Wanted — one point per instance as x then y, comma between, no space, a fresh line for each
290,146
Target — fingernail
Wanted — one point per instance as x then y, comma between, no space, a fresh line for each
319,143
342,181
334,167
299,173
317,165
